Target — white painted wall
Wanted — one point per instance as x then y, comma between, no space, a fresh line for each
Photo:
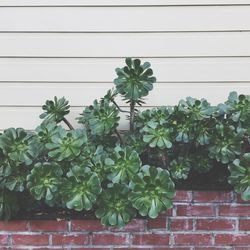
70,48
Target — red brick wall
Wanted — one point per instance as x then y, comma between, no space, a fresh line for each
198,221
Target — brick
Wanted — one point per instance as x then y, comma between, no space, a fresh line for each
192,239
234,210
133,248
183,196
110,239
232,239
204,196
168,212
3,240
150,239
136,225
74,239
18,225
215,224
211,248
244,224
48,225
181,224
87,225
158,223
195,210
172,248
29,240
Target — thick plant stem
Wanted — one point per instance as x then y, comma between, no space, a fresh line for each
132,116
68,123
119,137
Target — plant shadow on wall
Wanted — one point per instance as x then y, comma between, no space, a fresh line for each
120,175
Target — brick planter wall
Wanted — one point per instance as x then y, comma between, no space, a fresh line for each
198,221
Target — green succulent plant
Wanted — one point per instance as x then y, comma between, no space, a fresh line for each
114,207
101,118
240,176
157,135
80,189
180,167
19,145
66,144
152,192
226,144
55,110
238,108
123,164
45,181
135,80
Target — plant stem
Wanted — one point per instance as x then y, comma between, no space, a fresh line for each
67,123
119,136
124,111
132,116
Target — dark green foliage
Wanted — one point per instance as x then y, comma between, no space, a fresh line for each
101,118
81,188
135,80
118,174
152,191
45,181
55,110
240,176
114,208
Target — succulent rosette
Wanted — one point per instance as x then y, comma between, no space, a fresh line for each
180,167
240,176
45,181
157,135
123,164
101,118
226,144
80,189
19,145
135,80
113,206
54,111
67,145
152,191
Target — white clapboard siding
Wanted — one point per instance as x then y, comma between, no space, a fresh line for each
120,2
102,70
83,94
134,44
70,48
125,19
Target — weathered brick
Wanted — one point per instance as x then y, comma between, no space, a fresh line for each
181,224
234,210
110,239
70,239
244,224
215,224
150,239
86,225
232,239
3,240
48,225
195,210
192,239
18,225
158,223
183,196
212,196
136,225
30,240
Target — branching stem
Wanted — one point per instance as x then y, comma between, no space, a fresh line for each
67,123
119,136
132,116
123,111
